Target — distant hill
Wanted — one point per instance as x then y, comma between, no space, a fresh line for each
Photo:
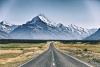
94,36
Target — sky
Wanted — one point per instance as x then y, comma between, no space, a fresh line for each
83,13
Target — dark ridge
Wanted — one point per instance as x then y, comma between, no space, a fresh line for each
3,41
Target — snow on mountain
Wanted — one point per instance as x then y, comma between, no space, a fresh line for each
45,19
79,31
41,28
6,27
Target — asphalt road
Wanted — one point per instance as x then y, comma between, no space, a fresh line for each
54,58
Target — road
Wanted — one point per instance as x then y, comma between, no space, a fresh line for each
54,58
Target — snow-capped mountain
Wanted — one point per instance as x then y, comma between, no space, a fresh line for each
34,29
41,28
94,36
6,27
80,32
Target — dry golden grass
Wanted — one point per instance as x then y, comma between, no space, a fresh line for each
94,48
84,51
13,54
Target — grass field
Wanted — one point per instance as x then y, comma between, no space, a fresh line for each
14,54
87,52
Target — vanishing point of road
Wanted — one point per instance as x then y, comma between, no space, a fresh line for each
54,58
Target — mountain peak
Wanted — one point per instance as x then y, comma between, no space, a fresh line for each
41,15
40,19
44,18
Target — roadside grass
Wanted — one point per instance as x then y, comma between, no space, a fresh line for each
19,45
93,48
14,54
9,55
87,52
13,64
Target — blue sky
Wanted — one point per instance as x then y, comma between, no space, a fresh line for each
84,13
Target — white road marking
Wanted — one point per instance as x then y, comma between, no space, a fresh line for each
53,64
79,60
53,60
32,58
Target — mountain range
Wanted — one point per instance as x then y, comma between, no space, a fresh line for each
41,28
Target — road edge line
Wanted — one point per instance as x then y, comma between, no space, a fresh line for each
78,59
27,62
31,59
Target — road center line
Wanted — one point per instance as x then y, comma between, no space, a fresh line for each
53,64
53,60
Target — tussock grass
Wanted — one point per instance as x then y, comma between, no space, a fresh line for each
85,51
13,54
